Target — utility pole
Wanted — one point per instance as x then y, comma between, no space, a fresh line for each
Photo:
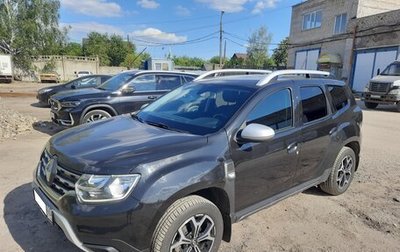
224,58
220,40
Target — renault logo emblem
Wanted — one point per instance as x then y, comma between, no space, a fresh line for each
51,170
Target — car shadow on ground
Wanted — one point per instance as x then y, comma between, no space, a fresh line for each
315,191
29,227
39,105
47,127
381,107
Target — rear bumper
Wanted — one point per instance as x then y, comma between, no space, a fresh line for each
380,98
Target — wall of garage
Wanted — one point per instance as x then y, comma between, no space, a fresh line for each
377,44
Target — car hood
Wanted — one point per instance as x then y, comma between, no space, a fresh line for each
118,145
73,95
385,78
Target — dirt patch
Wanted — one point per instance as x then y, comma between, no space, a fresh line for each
13,123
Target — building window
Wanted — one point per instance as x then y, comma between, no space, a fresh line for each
312,20
340,23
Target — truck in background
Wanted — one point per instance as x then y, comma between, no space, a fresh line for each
384,88
6,68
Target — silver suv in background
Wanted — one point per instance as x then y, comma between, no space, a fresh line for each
384,88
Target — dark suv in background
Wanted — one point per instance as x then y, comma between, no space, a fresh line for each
89,81
175,175
124,93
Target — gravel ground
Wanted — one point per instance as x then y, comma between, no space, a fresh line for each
365,218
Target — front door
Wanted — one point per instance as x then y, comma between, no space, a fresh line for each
267,168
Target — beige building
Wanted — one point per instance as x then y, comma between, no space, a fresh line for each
350,38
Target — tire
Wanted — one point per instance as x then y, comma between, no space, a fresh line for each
371,105
95,115
176,223
342,173
398,107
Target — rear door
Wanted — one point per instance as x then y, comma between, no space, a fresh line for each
316,132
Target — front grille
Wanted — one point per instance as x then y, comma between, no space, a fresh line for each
379,87
64,180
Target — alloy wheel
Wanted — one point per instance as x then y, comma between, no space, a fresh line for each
344,171
197,234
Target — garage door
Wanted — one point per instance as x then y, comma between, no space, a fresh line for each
307,59
367,63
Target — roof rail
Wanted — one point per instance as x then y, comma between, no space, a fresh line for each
216,73
274,75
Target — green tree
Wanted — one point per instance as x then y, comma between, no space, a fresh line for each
280,53
257,50
72,49
133,60
188,61
97,44
30,28
119,49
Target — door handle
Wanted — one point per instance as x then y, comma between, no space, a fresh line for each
152,97
293,148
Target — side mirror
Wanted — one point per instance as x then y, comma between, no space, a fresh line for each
257,133
378,72
144,105
73,86
128,90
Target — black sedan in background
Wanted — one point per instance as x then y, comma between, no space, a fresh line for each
87,81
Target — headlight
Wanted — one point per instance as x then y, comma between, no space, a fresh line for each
104,188
395,91
70,104
42,91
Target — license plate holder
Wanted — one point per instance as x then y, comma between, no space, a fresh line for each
43,207
375,96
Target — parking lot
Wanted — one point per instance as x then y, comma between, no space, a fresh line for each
365,218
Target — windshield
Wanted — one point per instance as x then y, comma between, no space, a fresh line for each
196,108
392,69
117,81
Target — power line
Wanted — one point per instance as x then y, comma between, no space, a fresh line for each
192,41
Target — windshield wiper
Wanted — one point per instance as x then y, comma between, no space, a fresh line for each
136,117
164,126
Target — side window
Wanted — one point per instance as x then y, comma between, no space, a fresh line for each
87,82
168,82
339,97
145,82
187,78
313,102
274,111
104,78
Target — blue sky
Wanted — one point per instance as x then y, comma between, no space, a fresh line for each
181,27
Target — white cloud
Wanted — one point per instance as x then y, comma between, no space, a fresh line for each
264,4
238,5
225,5
96,8
79,30
182,11
156,36
148,4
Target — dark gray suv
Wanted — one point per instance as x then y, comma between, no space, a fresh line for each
177,174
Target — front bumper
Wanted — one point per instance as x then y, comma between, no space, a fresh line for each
380,98
65,117
91,227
